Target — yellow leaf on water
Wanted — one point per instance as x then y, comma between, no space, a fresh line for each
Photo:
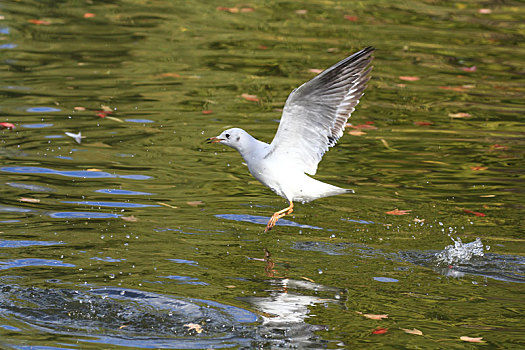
115,119
308,279
472,340
412,331
375,317
167,205
93,169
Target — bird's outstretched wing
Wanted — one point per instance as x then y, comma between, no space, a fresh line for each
315,113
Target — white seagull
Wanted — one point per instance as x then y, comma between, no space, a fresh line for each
313,119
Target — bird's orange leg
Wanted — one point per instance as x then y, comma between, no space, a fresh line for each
277,215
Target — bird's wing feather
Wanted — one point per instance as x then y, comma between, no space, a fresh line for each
315,113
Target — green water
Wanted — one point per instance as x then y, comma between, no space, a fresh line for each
100,240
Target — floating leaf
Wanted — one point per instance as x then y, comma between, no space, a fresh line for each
351,18
373,316
417,220
469,69
301,12
380,330
115,119
408,78
412,331
477,213
29,200
315,70
247,9
423,123
79,108
484,11
6,125
93,169
207,111
231,286
398,212
249,97
363,126
478,168
459,115
356,133
194,326
308,279
472,340
195,203
89,15
496,146
170,75
130,218
228,9
39,22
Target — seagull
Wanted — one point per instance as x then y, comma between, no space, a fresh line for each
313,119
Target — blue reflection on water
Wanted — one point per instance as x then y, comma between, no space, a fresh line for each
82,215
112,204
182,261
4,30
19,244
36,126
72,173
124,192
4,265
185,280
385,279
54,136
42,109
30,187
107,259
15,209
263,220
8,46
139,120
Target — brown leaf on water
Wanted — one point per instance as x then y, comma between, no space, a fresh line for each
79,108
228,9
412,331
29,200
315,70
423,123
167,205
373,316
356,133
195,203
472,340
194,326
478,168
115,119
408,78
39,21
247,9
129,218
249,97
89,15
459,115
301,12
398,212
170,75
231,286
106,108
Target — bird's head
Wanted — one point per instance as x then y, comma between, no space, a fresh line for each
232,137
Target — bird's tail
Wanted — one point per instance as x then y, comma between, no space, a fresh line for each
318,189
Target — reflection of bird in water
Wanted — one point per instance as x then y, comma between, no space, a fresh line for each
313,119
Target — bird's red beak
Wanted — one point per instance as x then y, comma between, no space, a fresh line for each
214,140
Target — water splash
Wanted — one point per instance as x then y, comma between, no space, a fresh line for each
460,252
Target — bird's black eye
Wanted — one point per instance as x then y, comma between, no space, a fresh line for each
227,136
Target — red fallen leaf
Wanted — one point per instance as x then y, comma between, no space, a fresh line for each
39,21
6,125
89,15
398,212
249,97
351,18
380,330
207,111
423,123
103,114
369,122
469,69
496,146
407,78
478,168
477,213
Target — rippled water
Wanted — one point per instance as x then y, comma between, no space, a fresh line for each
129,231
